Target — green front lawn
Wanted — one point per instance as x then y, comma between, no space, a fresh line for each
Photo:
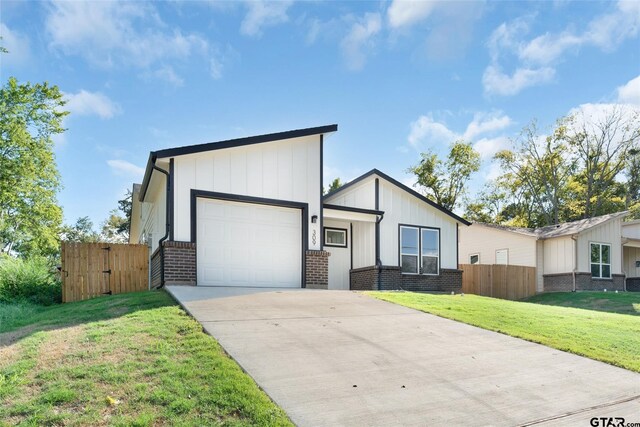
132,359
623,302
609,337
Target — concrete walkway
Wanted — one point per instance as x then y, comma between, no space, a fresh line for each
332,358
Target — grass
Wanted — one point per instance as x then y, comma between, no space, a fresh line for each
609,337
133,359
623,303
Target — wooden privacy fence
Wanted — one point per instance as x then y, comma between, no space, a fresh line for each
499,281
94,269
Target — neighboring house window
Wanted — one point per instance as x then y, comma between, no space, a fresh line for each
474,259
335,237
502,256
600,260
419,250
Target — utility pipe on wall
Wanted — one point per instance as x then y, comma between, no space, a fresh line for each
575,259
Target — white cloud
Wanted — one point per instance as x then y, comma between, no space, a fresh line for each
86,103
122,167
486,122
426,128
497,82
167,74
215,68
538,55
488,147
261,14
359,40
630,93
404,13
17,44
110,33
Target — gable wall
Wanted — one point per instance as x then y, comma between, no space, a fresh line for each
401,207
361,195
609,232
284,170
477,239
153,211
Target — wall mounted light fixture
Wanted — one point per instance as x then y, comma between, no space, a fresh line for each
314,219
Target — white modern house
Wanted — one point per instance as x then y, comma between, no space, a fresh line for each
251,212
590,254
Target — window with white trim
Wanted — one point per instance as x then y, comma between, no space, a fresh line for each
474,259
600,260
419,250
335,237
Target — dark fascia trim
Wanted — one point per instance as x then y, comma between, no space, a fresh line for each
321,189
229,143
351,209
171,198
304,209
351,253
334,245
402,187
377,205
420,228
240,142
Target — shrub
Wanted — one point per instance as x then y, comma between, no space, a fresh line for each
33,280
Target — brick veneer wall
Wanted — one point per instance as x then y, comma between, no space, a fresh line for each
317,269
633,284
389,277
363,279
156,266
179,263
563,282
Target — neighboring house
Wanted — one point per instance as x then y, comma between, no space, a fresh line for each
250,212
590,254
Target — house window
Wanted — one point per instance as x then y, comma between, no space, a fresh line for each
502,256
600,261
419,250
474,259
335,237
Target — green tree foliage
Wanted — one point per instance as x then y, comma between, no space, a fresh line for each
80,232
585,167
335,184
30,114
444,181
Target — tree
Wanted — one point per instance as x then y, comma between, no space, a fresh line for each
444,181
537,172
335,184
30,218
125,206
115,228
81,232
603,146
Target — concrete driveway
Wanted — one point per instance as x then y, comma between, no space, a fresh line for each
332,358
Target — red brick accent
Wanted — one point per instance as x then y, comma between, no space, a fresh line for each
179,263
563,282
317,269
389,277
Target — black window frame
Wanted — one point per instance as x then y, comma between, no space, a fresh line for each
420,267
335,245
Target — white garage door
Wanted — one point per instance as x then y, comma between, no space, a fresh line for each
244,244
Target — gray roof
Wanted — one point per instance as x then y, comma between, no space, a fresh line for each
574,227
558,230
519,230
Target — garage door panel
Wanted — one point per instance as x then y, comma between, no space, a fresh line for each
244,244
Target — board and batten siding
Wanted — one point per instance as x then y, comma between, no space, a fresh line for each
364,244
485,241
401,207
539,266
284,170
559,256
631,256
610,233
154,210
631,229
361,195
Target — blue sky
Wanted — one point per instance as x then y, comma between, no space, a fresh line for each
397,77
